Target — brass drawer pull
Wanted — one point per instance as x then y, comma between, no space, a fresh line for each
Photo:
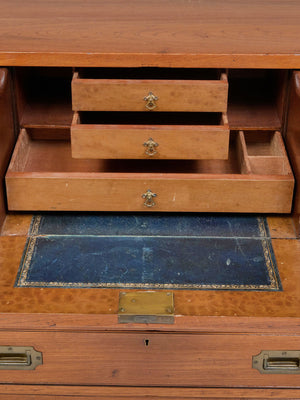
150,101
19,358
150,147
277,362
148,196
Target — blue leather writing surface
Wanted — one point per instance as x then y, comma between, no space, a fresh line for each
149,251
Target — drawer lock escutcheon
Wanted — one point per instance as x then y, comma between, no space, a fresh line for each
19,358
150,147
148,196
150,101
277,362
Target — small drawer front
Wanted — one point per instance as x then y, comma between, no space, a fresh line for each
149,142
149,359
149,95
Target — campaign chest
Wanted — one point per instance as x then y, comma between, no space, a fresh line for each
169,107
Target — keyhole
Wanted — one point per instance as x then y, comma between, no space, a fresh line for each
146,341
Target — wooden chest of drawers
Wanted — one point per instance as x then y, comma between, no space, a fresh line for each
164,106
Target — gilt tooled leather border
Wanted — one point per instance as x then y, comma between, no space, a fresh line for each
275,284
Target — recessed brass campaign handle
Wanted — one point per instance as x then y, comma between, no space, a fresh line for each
277,362
151,101
19,358
150,147
148,196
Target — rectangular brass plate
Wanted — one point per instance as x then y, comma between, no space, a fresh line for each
146,307
277,362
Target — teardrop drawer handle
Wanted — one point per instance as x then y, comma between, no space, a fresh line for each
150,101
19,358
150,147
148,196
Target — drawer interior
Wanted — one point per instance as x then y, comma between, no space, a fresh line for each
150,73
138,118
266,153
33,155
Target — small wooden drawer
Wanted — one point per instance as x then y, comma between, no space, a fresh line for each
149,359
151,140
188,91
43,176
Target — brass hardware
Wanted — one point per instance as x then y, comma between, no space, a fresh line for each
148,196
19,358
146,307
277,362
151,99
151,145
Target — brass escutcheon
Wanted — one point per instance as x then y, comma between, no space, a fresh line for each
150,147
151,99
148,196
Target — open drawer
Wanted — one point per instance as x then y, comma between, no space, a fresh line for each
144,136
256,178
149,89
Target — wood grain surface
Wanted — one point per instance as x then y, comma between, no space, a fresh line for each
128,95
128,141
293,140
174,359
61,183
7,137
256,34
51,392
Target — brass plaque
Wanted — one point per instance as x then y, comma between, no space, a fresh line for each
146,307
277,362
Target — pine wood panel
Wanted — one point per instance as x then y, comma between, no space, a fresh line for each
128,95
174,142
168,360
259,34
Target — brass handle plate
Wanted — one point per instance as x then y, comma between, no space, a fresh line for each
148,196
19,358
150,147
150,101
277,362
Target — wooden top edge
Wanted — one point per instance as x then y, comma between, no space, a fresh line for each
82,59
183,324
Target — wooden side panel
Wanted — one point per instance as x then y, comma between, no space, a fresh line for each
293,140
128,95
7,138
172,142
123,359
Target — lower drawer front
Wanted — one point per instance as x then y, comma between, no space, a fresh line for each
136,359
146,194
43,176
